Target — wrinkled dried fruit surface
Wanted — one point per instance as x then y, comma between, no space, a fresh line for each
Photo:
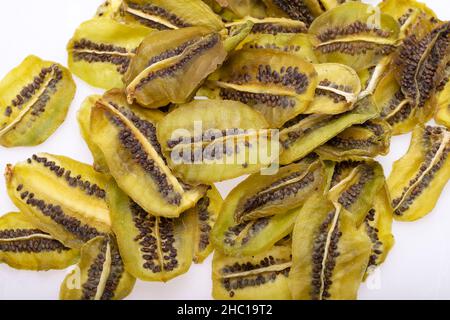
101,50
378,226
207,141
169,14
303,134
24,247
236,9
421,62
265,196
34,100
277,84
359,142
170,65
337,90
273,26
371,77
84,123
354,34
417,179
201,219
259,277
293,9
100,274
329,254
153,248
126,135
60,196
354,185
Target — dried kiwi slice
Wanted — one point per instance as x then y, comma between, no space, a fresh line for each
108,9
259,277
256,236
264,196
273,26
207,141
60,196
126,135
24,247
359,142
378,225
101,50
337,90
418,178
408,13
277,84
354,185
352,35
170,14
329,254
100,274
34,100
303,134
202,219
84,123
153,248
396,109
420,64
170,65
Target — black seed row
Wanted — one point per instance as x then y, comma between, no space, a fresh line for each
273,46
19,233
204,222
106,53
296,10
256,227
357,48
208,135
264,198
372,232
115,274
357,27
271,100
73,181
171,53
150,241
72,225
154,10
140,156
334,96
400,115
90,287
351,194
276,28
200,47
290,77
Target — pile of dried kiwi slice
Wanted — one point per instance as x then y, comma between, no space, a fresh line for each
194,90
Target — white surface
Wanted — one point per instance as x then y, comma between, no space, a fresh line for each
417,268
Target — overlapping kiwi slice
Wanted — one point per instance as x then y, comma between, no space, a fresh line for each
126,136
359,142
354,185
329,253
259,277
277,84
251,237
34,100
206,141
101,50
202,219
354,34
231,10
301,135
23,246
417,179
378,226
153,248
170,65
337,90
100,274
60,196
169,14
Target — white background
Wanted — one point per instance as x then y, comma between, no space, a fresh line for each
417,268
